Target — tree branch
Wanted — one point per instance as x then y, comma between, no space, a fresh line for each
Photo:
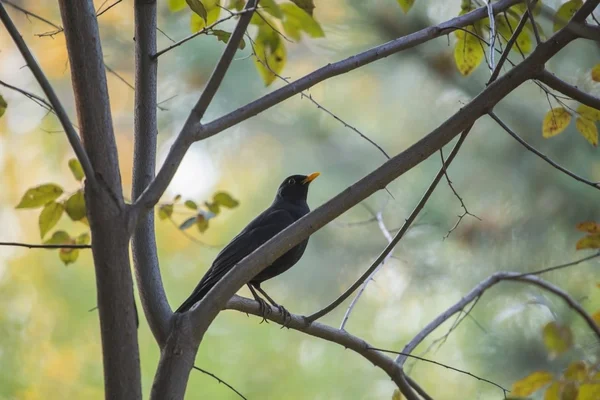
492,280
568,90
46,246
145,257
529,147
366,276
49,92
153,193
106,209
32,96
330,334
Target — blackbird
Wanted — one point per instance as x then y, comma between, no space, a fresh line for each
289,206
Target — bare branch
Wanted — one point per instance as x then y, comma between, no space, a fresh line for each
46,246
99,13
52,98
330,334
220,381
145,257
153,193
572,91
504,390
478,290
30,14
388,249
529,147
530,4
202,31
34,97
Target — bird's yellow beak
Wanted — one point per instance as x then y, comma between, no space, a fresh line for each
310,178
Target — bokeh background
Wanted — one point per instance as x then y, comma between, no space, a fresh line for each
49,342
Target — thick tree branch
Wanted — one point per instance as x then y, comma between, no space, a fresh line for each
413,215
107,213
210,306
153,193
333,335
50,94
568,90
529,147
145,258
478,290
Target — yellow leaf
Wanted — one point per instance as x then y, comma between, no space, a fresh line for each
76,169
49,216
589,391
406,5
596,73
75,206
565,12
297,20
3,106
197,22
68,256
553,391
468,54
506,26
40,195
201,223
588,130
59,237
588,226
577,371
555,121
197,7
596,318
176,5
531,383
589,242
397,395
270,54
557,338
569,391
588,112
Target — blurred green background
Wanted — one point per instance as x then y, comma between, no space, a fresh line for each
49,342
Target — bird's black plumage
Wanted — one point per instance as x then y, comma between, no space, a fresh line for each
289,206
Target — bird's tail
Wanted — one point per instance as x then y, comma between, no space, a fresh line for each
197,295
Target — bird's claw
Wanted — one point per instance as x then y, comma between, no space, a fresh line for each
264,310
287,317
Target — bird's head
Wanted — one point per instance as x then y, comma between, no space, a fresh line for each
295,187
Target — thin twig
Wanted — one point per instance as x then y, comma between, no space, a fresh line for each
511,41
34,97
477,292
397,237
443,365
492,20
219,380
569,90
530,4
52,98
29,13
46,246
201,32
529,147
108,8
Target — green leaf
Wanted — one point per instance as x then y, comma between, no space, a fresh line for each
272,8
49,216
75,206
187,223
84,238
223,36
68,256
565,13
165,211
297,20
224,199
468,54
191,205
198,23
40,195
270,54
236,4
212,207
198,8
76,169
176,5
59,237
557,338
201,223
176,198
406,5
3,106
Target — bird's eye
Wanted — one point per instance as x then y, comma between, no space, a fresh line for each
291,181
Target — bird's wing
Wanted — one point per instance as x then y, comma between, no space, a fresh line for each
258,232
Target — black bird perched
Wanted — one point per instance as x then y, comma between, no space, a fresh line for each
288,207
